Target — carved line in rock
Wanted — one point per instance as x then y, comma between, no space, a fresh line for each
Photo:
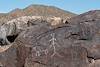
53,43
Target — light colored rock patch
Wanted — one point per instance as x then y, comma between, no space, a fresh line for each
21,23
4,48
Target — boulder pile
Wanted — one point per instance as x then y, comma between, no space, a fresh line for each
52,41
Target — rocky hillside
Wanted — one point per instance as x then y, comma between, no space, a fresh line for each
74,44
89,16
40,36
36,10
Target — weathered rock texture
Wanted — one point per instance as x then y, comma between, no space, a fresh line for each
16,26
27,21
89,24
50,48
8,56
76,44
84,34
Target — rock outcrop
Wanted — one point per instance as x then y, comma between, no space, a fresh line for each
82,34
49,47
14,27
89,23
75,44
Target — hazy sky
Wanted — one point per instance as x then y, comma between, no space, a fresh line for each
76,6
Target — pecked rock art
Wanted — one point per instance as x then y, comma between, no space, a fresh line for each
83,34
66,57
52,48
71,45
27,48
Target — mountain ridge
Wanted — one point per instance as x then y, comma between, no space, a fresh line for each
35,10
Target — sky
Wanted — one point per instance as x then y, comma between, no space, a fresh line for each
75,6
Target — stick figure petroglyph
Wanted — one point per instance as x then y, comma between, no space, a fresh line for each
54,43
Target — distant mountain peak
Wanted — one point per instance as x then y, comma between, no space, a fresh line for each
15,10
36,10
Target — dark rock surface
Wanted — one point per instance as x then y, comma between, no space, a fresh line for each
90,16
89,24
55,45
22,55
84,34
75,44
8,56
73,56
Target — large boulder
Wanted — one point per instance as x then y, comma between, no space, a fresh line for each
52,47
89,25
85,34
